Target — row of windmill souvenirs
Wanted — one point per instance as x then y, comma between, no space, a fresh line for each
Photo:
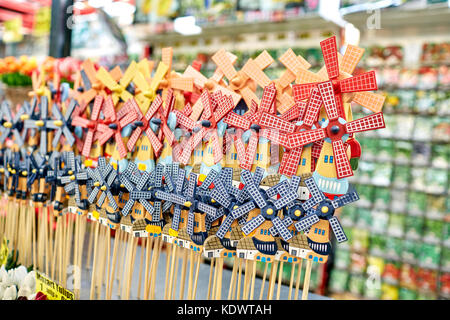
200,163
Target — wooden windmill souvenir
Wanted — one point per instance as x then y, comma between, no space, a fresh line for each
213,84
39,86
93,82
239,80
92,130
111,127
12,127
344,88
143,140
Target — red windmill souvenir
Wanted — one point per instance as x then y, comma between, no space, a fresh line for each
335,129
142,124
90,124
263,122
215,108
114,123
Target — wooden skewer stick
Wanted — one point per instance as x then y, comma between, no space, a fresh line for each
141,266
212,270
91,239
239,280
148,247
155,260
108,261
191,274
307,280
172,266
297,281
124,266
111,277
232,281
219,280
246,280
273,274
183,273
197,269
131,267
263,283
291,281
175,274
169,249
253,280
280,278
95,261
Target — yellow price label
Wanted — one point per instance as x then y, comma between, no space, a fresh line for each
42,21
51,289
4,252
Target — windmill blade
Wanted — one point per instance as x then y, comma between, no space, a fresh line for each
176,217
93,194
302,138
223,62
147,206
160,73
372,101
351,58
345,199
281,229
363,82
43,142
371,122
128,206
143,180
220,194
313,107
159,171
209,179
192,183
101,199
225,226
156,215
273,122
190,222
206,208
243,209
237,121
180,181
258,176
330,56
285,199
69,187
337,229
112,202
328,98
268,98
253,224
316,194
343,167
252,189
305,223
273,191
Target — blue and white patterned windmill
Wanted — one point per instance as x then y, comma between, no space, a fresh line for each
63,124
43,124
54,173
293,210
188,199
176,197
12,126
324,209
268,207
76,176
138,192
38,168
103,176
